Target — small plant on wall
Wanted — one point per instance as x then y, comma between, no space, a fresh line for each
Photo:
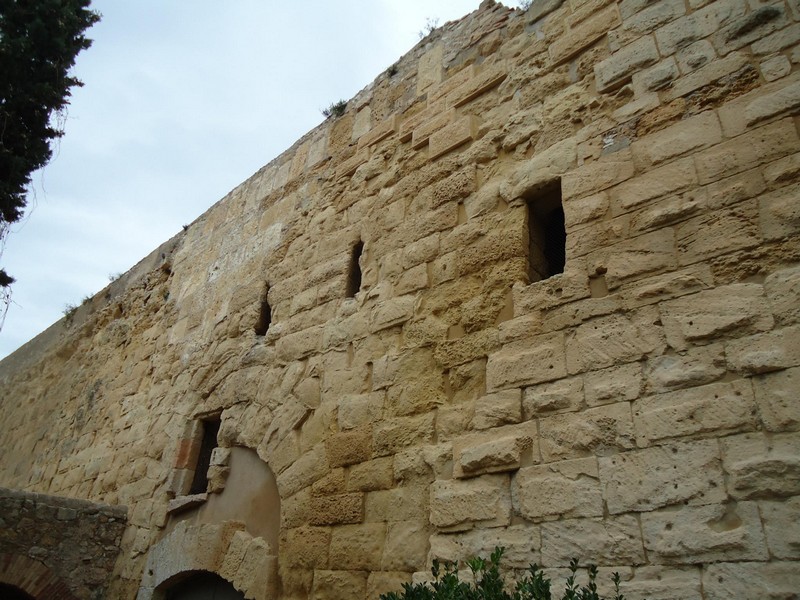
335,110
489,584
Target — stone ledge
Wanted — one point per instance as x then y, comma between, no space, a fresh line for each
182,503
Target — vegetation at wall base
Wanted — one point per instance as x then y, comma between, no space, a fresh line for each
489,584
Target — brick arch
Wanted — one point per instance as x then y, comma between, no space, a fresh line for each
226,549
33,578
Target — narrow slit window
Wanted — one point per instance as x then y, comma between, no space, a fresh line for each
354,272
207,445
264,315
547,236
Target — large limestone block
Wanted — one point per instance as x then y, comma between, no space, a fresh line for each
609,340
493,456
756,147
702,534
539,359
498,409
602,430
782,526
306,547
568,489
613,540
761,466
766,352
563,395
383,582
404,503
696,366
349,448
339,585
392,435
457,504
336,509
783,292
496,450
751,581
669,179
372,475
357,547
598,175
614,384
522,544
779,216
685,136
357,410
664,583
616,69
697,25
642,480
734,309
406,546
778,399
718,408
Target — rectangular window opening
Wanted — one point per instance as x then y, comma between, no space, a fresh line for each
354,272
547,235
207,445
265,314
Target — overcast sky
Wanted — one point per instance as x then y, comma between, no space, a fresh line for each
183,100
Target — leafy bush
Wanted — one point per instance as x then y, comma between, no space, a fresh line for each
489,584
335,110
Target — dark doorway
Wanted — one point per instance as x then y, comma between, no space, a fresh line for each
203,586
10,592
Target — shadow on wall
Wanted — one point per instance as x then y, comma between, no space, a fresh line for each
250,497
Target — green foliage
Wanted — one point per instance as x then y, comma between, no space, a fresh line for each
430,27
336,109
39,40
489,584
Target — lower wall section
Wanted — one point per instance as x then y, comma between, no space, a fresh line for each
58,548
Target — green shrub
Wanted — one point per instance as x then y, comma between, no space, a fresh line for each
489,584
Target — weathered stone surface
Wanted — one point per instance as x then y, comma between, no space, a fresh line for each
758,466
498,409
565,394
600,431
449,405
337,509
770,581
521,544
705,533
718,407
533,361
615,540
777,399
737,308
772,351
606,341
357,547
782,527
568,488
697,366
459,504
613,384
641,480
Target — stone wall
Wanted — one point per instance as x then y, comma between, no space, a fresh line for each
58,548
638,410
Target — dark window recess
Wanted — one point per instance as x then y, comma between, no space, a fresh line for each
354,273
207,445
264,315
547,235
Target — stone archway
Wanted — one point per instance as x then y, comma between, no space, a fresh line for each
28,578
202,585
226,549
